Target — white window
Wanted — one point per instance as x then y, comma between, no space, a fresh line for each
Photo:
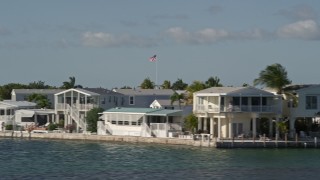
131,100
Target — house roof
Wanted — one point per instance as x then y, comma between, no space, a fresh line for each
37,91
142,92
147,111
83,91
101,91
9,103
165,112
167,102
232,91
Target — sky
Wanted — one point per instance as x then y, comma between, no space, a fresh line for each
107,43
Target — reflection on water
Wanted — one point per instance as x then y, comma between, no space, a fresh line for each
49,159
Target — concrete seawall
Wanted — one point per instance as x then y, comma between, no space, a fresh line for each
106,138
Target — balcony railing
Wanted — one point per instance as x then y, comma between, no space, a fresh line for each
80,107
230,108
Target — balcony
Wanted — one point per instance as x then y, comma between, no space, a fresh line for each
230,108
80,107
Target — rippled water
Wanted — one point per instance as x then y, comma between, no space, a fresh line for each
53,159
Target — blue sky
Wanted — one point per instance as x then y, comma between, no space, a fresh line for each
106,43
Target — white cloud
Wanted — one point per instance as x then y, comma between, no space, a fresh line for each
299,12
101,39
204,36
308,30
210,35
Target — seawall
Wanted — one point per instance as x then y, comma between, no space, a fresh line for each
106,138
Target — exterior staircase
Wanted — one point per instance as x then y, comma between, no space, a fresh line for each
74,114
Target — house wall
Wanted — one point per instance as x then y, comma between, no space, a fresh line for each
301,110
24,97
125,130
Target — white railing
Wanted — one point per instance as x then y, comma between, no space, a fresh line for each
80,107
74,113
232,108
174,126
108,128
6,117
145,130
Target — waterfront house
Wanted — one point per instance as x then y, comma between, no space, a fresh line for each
8,109
305,107
34,117
145,122
228,112
22,94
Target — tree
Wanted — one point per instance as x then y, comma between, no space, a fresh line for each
5,90
41,100
213,82
166,84
38,85
191,123
274,76
177,97
92,119
69,84
179,85
147,84
126,87
194,87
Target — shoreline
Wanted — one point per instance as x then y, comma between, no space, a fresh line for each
105,138
225,144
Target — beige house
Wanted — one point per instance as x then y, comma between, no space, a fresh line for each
227,112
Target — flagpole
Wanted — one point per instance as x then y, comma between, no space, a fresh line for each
156,73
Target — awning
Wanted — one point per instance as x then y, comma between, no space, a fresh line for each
26,113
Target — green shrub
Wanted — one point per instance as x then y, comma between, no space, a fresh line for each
9,127
52,126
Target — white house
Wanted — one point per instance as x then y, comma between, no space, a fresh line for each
8,109
307,106
227,112
145,122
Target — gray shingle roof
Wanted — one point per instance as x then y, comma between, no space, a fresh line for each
37,91
232,91
142,92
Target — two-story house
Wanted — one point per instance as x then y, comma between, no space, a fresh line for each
227,112
306,108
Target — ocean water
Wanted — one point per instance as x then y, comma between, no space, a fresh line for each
57,159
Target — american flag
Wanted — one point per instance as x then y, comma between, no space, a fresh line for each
153,58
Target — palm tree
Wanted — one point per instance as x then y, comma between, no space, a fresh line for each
177,97
166,84
69,84
213,82
194,87
274,76
179,85
147,84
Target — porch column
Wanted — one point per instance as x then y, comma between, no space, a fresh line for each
71,98
230,127
270,127
277,128
219,127
53,119
48,118
254,127
199,123
78,100
205,120
167,124
35,118
211,127
292,129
